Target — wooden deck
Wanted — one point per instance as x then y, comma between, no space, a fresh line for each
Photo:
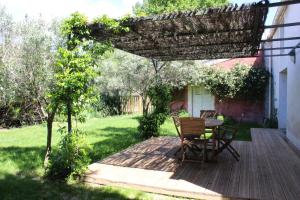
268,169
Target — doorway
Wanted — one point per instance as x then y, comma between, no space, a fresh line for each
201,100
282,108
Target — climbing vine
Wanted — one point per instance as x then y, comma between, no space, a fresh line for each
116,26
160,97
242,82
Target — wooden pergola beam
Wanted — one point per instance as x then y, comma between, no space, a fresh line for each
277,4
281,39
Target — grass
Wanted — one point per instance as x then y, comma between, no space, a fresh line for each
22,151
244,131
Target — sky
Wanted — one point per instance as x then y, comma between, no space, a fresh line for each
50,9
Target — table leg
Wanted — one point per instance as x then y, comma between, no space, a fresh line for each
215,142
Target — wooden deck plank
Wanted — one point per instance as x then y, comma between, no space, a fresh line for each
254,189
244,188
286,180
230,181
235,177
263,168
268,169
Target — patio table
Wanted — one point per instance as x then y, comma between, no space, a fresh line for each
213,124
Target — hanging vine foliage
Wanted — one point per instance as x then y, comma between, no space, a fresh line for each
76,62
242,82
160,97
116,26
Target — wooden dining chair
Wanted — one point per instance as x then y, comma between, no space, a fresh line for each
175,117
226,134
191,130
208,114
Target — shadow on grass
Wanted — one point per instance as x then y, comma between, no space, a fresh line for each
116,140
25,159
16,187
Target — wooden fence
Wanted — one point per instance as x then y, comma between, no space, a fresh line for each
133,105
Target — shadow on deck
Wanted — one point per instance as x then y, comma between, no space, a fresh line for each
268,169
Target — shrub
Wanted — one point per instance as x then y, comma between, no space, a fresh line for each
72,157
16,114
160,97
149,123
108,103
111,103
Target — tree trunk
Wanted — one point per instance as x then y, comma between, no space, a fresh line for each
49,133
69,113
144,105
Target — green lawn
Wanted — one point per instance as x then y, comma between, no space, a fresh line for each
22,151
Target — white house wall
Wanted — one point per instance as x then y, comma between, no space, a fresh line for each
279,64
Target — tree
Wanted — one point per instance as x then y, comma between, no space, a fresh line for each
26,69
6,35
73,85
128,74
72,91
73,70
150,7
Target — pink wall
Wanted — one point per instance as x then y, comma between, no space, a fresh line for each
253,111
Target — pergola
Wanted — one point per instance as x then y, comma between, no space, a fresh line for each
213,33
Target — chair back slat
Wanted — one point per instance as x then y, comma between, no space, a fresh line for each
192,126
176,121
208,114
